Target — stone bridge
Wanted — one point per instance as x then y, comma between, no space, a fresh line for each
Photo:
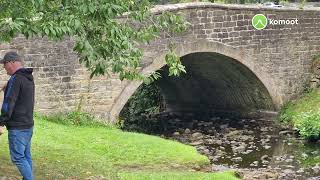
230,65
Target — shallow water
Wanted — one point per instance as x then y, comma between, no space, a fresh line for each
255,144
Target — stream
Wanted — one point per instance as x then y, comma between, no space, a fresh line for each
258,148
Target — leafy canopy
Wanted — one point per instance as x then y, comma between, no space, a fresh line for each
106,32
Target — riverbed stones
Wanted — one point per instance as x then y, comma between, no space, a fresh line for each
304,155
315,152
259,174
224,126
281,133
288,174
197,135
264,129
271,175
236,159
249,132
217,142
223,141
301,170
197,143
264,157
176,133
239,149
219,168
289,160
264,162
316,169
187,131
233,133
254,163
247,151
266,147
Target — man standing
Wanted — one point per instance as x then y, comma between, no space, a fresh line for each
17,112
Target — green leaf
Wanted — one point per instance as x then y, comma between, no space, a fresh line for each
77,24
52,31
46,30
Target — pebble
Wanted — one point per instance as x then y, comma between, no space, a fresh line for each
187,131
266,147
264,157
176,133
196,135
255,163
237,159
316,169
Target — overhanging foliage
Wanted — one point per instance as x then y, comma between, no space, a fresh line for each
103,42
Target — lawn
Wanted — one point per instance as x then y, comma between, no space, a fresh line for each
62,151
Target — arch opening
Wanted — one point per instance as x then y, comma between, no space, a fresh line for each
214,83
235,55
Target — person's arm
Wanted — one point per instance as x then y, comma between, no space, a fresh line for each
2,88
2,130
10,99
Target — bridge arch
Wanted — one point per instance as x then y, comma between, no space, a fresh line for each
192,47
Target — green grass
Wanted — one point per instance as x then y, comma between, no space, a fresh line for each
229,175
304,113
309,102
61,151
311,161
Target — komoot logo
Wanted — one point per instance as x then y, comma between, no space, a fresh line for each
260,21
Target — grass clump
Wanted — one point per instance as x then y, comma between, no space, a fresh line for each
308,124
75,118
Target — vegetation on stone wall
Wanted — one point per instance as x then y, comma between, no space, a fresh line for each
304,113
146,101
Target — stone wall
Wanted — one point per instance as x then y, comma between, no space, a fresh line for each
279,55
61,82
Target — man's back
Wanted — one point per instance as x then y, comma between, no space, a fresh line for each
19,94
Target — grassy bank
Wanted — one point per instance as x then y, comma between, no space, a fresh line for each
62,151
177,176
304,114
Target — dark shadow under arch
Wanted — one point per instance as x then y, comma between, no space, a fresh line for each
197,46
214,83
